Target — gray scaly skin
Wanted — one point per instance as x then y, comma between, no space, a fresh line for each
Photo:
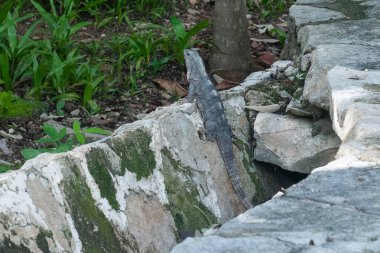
212,110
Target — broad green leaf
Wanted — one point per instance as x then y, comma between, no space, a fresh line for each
67,96
30,153
78,132
178,27
52,23
97,130
50,131
23,68
62,134
4,168
12,37
45,140
88,93
27,34
4,71
78,26
76,126
93,106
196,29
5,8
53,8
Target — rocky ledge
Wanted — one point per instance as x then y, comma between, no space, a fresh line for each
155,182
336,209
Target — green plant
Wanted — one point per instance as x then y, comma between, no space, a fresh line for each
16,57
59,106
4,168
62,75
153,9
142,46
5,8
272,8
91,82
280,34
54,138
60,26
79,133
183,38
59,140
12,106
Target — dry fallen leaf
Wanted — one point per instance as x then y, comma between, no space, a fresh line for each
224,85
217,78
172,87
193,2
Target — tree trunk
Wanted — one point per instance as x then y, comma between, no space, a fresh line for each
231,49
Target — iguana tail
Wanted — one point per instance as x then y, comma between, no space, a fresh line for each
228,157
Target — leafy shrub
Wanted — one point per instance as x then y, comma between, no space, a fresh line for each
181,39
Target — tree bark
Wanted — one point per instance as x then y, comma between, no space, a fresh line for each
231,49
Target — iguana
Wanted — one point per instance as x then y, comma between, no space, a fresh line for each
212,111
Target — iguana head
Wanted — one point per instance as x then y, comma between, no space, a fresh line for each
190,57
193,61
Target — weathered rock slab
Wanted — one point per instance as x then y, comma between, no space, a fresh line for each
325,57
327,212
358,92
303,15
356,32
141,190
288,142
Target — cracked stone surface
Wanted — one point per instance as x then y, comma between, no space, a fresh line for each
143,189
336,209
327,212
356,32
325,57
293,143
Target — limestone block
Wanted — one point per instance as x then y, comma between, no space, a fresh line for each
303,15
356,32
151,184
359,93
288,142
325,57
327,212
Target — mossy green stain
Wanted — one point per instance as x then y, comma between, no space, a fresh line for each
95,231
260,194
135,154
188,212
7,246
41,240
374,87
271,93
99,165
352,9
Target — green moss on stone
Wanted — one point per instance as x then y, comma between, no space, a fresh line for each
95,231
352,9
99,167
267,88
135,154
373,100
374,87
260,194
7,246
41,240
188,212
